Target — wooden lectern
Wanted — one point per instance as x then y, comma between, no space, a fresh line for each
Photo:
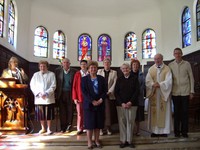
13,101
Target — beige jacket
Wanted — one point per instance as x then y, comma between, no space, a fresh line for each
112,78
183,80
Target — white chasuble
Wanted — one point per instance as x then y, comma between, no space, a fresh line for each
159,108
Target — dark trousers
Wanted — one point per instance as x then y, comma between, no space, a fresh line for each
66,110
181,104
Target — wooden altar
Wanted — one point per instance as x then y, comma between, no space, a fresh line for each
13,118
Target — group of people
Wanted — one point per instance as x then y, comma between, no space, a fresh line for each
92,90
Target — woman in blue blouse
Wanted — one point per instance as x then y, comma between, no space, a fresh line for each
94,94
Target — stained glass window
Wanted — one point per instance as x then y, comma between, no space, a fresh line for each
186,27
104,47
148,43
130,46
11,23
198,19
41,42
84,47
59,45
1,17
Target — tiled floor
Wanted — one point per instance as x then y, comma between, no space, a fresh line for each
70,141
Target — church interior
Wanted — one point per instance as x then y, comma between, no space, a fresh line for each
34,30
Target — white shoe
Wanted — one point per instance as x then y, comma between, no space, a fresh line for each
41,131
109,132
49,132
101,132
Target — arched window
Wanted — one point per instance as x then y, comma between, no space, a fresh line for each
1,17
198,19
84,47
130,46
58,45
186,27
11,23
148,43
41,42
104,47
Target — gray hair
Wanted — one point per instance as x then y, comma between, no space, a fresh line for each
125,64
66,59
159,54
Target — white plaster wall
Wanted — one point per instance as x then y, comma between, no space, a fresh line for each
22,12
171,26
138,22
52,20
73,26
23,28
164,19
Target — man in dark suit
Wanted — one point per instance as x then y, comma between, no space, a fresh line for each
64,81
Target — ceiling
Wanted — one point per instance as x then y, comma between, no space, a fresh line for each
99,7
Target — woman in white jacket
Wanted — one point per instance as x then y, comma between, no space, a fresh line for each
43,85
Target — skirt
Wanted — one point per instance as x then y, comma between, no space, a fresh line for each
44,112
140,114
93,119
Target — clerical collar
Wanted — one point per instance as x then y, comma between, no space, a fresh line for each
66,72
159,66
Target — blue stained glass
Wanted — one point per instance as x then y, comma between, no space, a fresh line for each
187,40
198,19
104,47
40,42
130,46
148,44
198,33
186,14
198,8
186,27
84,47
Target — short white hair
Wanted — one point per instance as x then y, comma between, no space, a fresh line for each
125,64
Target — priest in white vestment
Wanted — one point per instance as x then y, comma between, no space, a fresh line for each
158,90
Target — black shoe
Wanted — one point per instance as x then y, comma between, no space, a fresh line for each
90,147
163,135
99,146
154,135
68,129
177,135
132,145
122,145
185,135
